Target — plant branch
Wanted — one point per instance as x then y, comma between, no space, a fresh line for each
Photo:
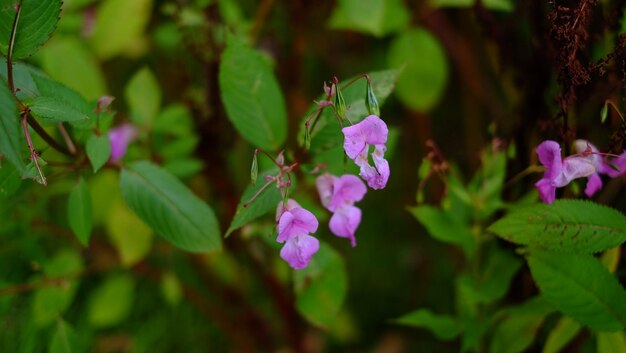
33,153
18,11
45,136
68,140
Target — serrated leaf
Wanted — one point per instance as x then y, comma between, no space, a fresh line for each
376,17
253,100
326,134
444,327
613,342
143,95
50,110
11,135
79,212
64,339
560,336
98,150
266,202
119,26
111,302
566,225
444,228
321,287
170,208
580,287
65,96
425,69
37,21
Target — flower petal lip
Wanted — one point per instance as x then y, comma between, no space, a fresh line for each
325,188
549,153
347,189
120,137
345,221
297,251
370,131
295,222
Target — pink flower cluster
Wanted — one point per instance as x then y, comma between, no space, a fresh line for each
588,162
337,194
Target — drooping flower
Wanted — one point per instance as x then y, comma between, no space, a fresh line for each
120,137
358,138
612,167
338,195
294,227
559,172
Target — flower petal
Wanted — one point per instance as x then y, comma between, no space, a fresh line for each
547,190
345,221
298,251
574,168
347,190
120,137
324,185
593,184
370,131
609,168
281,208
296,222
549,153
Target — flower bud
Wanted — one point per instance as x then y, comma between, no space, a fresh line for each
604,113
254,169
370,100
340,103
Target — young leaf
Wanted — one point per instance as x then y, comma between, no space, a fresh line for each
425,69
444,327
143,95
112,301
567,225
321,287
252,97
79,212
51,110
98,150
35,25
560,336
444,228
11,135
170,208
580,287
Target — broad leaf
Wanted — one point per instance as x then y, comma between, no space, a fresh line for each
67,98
51,110
445,327
445,228
266,202
79,212
567,225
580,287
98,150
560,336
37,21
321,287
143,95
170,208
11,135
376,17
517,331
119,27
253,100
112,301
425,69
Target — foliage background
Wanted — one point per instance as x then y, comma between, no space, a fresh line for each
492,73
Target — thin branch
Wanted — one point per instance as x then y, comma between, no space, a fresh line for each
46,137
33,153
18,11
68,140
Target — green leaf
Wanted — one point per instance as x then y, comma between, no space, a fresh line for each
69,62
120,26
614,342
10,179
112,301
170,208
498,5
131,237
98,150
321,287
171,288
37,21
580,287
444,228
11,135
517,331
51,110
375,17
79,211
253,100
444,327
327,132
425,69
66,97
266,202
143,95
64,339
567,225
560,336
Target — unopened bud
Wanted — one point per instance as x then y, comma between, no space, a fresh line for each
254,169
280,159
104,102
370,100
307,137
604,113
340,102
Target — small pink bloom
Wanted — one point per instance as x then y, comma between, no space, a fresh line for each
559,172
358,138
345,221
294,225
120,137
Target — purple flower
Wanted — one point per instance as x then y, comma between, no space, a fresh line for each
120,137
358,138
294,225
338,195
613,168
560,172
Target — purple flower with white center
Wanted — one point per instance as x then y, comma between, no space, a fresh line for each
594,182
120,137
338,195
294,225
358,138
559,172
